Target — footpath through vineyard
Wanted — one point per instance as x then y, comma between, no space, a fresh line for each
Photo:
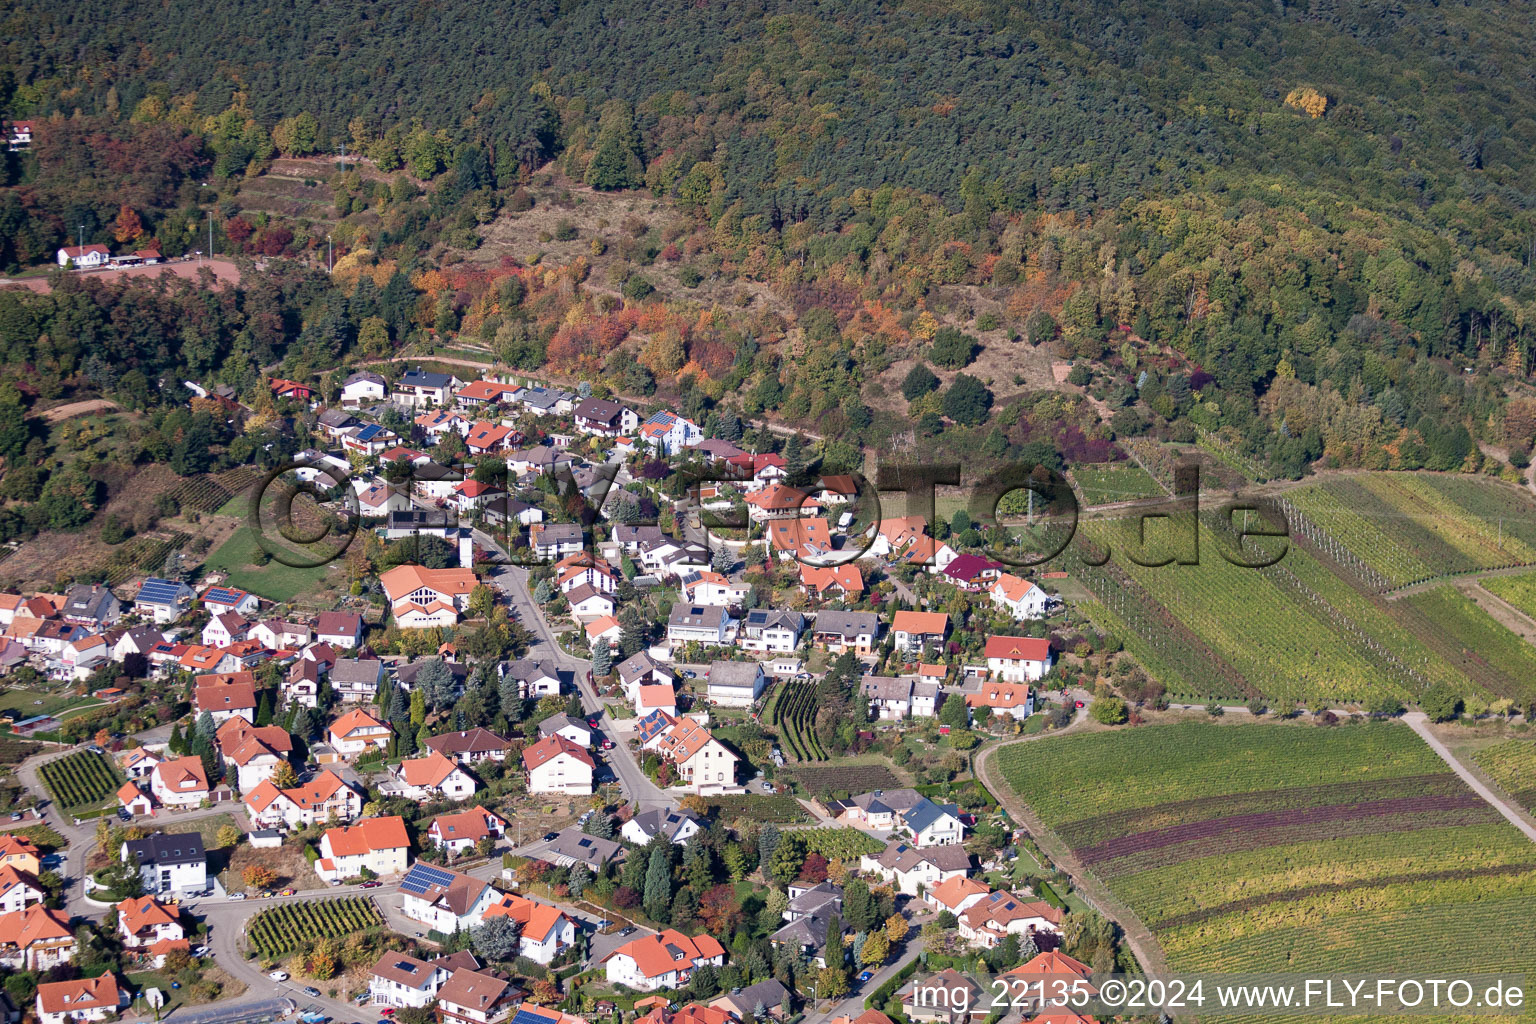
1148,952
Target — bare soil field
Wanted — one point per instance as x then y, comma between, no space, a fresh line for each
224,272
71,409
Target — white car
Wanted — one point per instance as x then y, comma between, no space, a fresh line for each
278,975
237,896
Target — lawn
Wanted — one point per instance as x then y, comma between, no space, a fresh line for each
1289,847
27,702
1100,483
274,581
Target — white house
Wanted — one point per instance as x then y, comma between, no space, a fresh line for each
735,684
770,631
85,257
255,751
36,939
402,981
339,629
173,863
556,765
324,797
362,388
224,629
909,868
461,830
677,826
59,1002
544,930
163,600
357,732
574,729
709,587
444,900
667,433
179,782
605,418
699,623
18,890
431,778
1018,659
1019,597
991,919
145,923
703,763
379,845
664,960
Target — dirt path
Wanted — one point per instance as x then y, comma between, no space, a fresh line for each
1471,576
1419,723
90,405
1137,935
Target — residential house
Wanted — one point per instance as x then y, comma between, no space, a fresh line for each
19,890
574,729
573,846
894,536
379,500
162,600
997,915
709,625
151,928
915,631
473,997
84,257
947,996
335,422
225,695
20,853
362,387
810,912
84,655
653,697
1018,659
339,629
485,392
136,640
291,389
431,778
604,630
664,960
955,895
421,597
717,450
735,684
60,1002
909,867
224,629
589,604
556,765
770,631
544,931
255,751
779,501
640,669
301,685
972,573
422,389
896,699
94,606
444,900
486,438
1019,597
310,803
667,433
805,540
376,845
556,540
218,600
703,764
761,469
605,418
467,746
132,799
707,587
536,677
169,863
279,635
357,680
179,782
459,831
677,826
1013,699
826,582
766,999
36,939
926,553
403,981
541,459
838,632
1052,972
504,511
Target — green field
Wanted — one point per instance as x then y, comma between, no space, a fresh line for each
1411,527
273,581
1100,483
1512,764
1293,630
1299,848
1519,591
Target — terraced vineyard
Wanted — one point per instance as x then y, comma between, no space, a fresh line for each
1293,630
290,926
1512,764
1412,527
81,780
794,715
1254,847
1485,646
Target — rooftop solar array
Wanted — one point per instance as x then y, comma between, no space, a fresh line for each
155,589
223,595
424,877
529,1017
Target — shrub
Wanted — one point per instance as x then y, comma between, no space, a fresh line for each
953,349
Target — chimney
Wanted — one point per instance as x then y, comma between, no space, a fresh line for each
466,550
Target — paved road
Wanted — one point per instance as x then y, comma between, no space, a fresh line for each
1419,723
853,1004
644,794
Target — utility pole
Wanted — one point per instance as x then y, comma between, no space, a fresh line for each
327,254
342,152
210,234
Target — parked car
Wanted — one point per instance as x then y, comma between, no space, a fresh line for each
288,892
607,744
550,837
628,929
93,748
311,991
278,975
123,815
370,885
866,975
1079,704
237,896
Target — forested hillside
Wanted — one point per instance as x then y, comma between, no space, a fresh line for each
1292,231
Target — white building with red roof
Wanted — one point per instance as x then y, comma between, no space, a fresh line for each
179,782
1019,597
1018,659
664,960
433,777
556,765
379,845
86,999
461,830
357,732
150,927
36,939
544,930
313,802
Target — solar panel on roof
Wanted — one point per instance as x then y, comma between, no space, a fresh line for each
422,877
158,590
529,1017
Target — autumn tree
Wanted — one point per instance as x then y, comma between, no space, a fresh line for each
128,227
258,877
